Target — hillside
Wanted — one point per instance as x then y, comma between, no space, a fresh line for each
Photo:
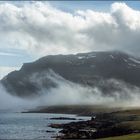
92,69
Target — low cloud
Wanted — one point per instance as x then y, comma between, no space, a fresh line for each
69,93
8,54
41,29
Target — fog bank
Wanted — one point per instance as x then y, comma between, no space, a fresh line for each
69,93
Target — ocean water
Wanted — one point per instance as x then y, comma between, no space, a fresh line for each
31,125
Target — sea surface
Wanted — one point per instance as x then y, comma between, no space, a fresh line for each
31,125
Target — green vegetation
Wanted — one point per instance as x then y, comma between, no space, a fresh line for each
125,137
130,119
134,125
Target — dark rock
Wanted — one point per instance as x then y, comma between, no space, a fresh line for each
56,125
48,131
101,127
62,118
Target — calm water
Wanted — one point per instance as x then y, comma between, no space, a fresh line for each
30,125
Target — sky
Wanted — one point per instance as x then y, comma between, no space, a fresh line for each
30,30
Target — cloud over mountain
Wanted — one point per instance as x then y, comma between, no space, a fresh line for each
41,29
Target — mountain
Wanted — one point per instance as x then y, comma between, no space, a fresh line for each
92,69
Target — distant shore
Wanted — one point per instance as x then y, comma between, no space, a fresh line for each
82,110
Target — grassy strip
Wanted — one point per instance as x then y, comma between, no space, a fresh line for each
125,137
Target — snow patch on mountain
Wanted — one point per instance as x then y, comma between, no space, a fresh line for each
86,57
112,56
81,57
134,60
133,65
125,60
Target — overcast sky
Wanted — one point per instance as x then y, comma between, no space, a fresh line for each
29,30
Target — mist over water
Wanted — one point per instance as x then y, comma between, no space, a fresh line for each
13,103
69,93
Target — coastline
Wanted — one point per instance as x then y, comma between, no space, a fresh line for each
81,110
109,122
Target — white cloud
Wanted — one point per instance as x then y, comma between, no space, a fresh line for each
8,54
4,70
41,29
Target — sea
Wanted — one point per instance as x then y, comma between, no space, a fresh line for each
16,125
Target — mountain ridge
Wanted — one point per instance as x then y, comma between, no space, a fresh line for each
83,68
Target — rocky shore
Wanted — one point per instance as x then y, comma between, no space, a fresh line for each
102,125
63,118
106,122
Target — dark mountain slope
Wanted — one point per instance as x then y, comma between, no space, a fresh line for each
85,68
